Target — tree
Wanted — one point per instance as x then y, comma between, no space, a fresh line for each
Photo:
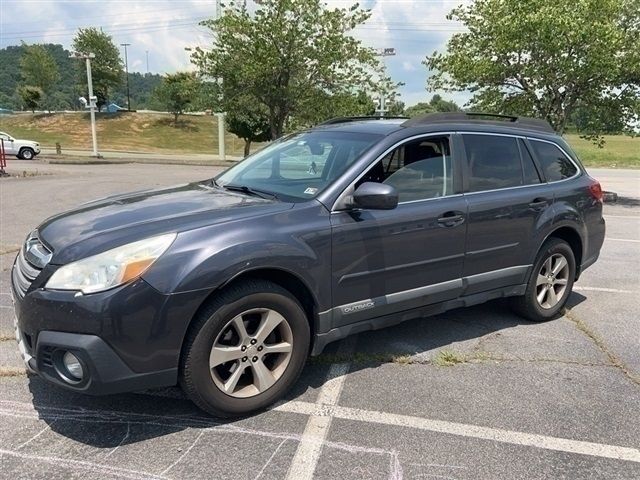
177,91
439,104
419,110
289,57
38,68
31,96
250,124
436,104
544,58
106,68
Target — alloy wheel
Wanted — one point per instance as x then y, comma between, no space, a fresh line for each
551,283
251,353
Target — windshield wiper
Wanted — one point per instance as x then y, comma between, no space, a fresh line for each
250,191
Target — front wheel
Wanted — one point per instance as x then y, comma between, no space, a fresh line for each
245,349
26,154
550,282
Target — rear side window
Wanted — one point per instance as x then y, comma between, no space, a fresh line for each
494,162
555,164
530,173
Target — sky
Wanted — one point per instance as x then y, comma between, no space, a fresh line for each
160,30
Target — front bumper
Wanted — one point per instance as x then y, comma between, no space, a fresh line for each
127,338
104,371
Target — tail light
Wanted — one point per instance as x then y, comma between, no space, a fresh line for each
596,190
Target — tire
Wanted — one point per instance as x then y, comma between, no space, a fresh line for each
209,384
26,154
529,306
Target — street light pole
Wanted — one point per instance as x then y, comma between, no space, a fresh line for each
92,99
92,103
384,52
126,70
220,115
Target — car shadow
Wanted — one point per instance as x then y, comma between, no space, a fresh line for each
105,422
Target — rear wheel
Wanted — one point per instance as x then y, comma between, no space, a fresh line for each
26,154
245,349
550,282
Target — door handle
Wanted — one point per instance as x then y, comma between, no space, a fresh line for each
539,203
451,219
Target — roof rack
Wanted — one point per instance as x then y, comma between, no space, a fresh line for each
333,121
514,121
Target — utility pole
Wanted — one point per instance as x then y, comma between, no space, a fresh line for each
126,70
92,99
220,115
384,52
147,53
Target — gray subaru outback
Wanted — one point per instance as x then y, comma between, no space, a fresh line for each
225,286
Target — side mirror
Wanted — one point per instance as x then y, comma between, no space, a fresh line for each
375,196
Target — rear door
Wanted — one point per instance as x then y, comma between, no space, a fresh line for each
388,261
508,203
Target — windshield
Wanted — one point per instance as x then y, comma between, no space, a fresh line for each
298,167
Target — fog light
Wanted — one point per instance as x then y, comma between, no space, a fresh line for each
73,366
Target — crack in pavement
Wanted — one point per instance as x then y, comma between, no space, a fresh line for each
602,346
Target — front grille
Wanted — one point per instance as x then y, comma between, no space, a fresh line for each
33,257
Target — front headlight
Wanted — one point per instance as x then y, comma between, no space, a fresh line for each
111,268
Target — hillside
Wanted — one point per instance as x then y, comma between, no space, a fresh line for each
155,132
72,83
137,132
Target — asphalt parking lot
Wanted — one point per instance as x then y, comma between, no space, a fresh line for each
471,394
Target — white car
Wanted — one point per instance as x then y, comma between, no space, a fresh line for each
25,149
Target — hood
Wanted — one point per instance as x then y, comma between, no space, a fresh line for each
113,221
27,142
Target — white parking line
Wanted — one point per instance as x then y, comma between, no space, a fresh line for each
622,216
622,240
308,453
599,289
465,430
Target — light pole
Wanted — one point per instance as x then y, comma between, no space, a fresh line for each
126,70
219,115
384,52
147,52
92,98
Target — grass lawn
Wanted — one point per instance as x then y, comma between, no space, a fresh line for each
134,132
155,132
619,151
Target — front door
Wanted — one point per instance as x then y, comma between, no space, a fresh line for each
394,260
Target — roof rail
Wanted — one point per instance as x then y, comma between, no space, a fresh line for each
333,121
515,121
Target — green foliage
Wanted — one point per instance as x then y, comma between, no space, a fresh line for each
31,96
177,91
107,69
545,58
439,104
141,87
436,104
250,125
290,57
419,110
39,68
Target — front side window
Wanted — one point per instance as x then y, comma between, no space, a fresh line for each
555,164
418,170
298,167
494,162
